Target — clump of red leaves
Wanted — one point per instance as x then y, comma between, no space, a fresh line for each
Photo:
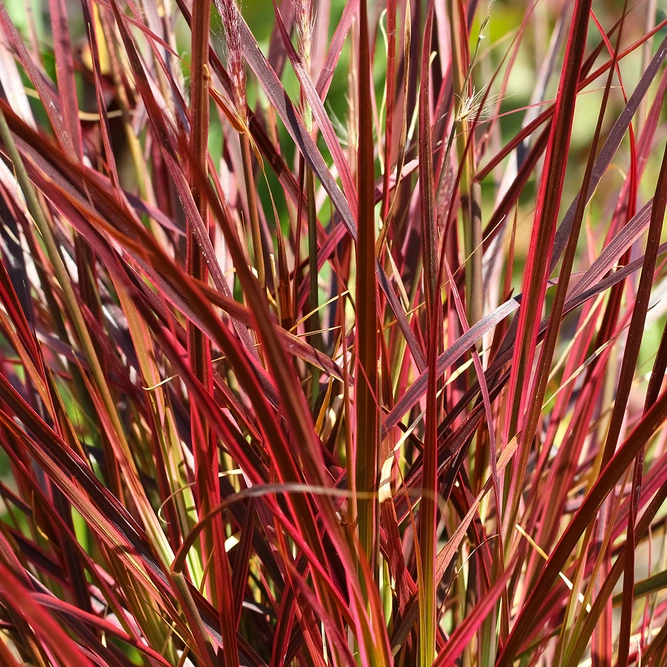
293,379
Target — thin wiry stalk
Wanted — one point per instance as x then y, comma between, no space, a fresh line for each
236,68
304,15
470,193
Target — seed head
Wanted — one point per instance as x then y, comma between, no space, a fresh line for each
470,105
305,24
229,14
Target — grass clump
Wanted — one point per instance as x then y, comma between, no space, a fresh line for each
344,346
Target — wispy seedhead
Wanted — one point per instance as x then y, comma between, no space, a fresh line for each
304,13
477,105
229,14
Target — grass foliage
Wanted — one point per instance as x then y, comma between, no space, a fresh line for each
333,333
